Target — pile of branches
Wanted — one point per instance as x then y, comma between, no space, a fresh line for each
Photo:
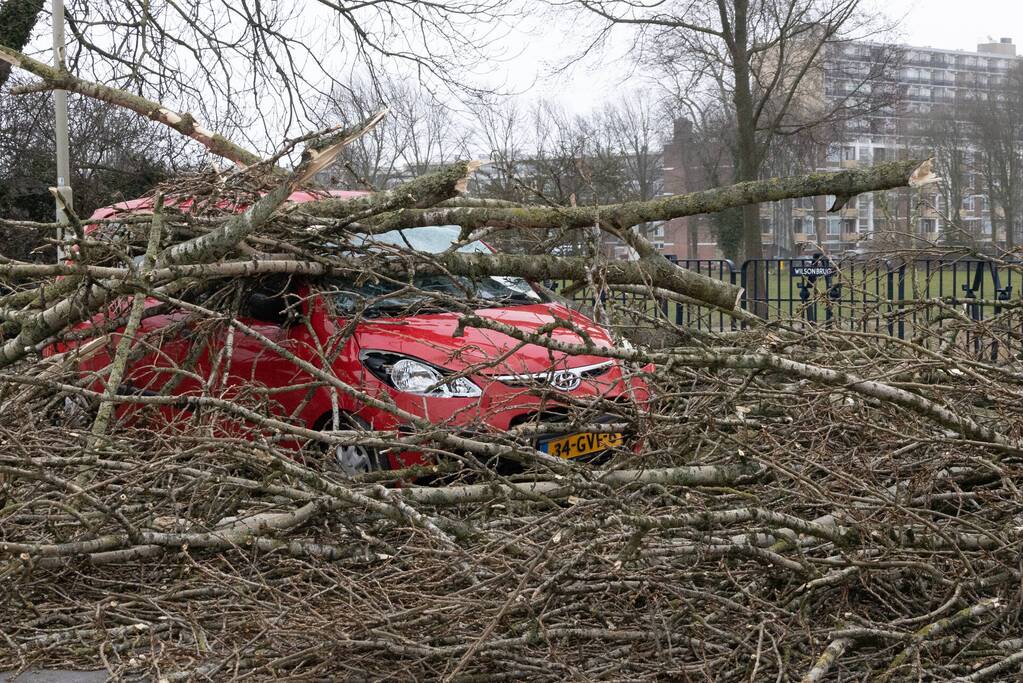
772,529
804,504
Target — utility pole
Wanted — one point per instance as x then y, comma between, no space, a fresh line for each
63,189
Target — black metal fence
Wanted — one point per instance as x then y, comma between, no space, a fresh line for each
876,295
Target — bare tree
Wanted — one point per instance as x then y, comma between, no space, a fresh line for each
998,133
261,68
636,124
608,155
115,155
421,132
422,129
373,161
500,134
948,137
763,60
543,154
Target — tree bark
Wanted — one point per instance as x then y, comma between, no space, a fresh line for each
845,183
418,193
748,158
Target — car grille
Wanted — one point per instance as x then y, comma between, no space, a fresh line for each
540,379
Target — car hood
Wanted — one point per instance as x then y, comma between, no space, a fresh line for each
431,337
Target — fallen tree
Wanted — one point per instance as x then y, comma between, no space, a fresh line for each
796,502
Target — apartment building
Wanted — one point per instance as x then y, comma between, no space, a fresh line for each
932,83
928,82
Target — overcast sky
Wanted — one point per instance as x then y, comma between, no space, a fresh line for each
957,24
948,24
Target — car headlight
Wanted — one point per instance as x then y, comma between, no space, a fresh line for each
413,376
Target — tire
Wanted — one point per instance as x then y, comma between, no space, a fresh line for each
352,459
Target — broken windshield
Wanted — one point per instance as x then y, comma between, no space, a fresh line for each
426,293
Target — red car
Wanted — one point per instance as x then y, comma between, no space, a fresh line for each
402,347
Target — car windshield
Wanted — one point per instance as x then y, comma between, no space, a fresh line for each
390,298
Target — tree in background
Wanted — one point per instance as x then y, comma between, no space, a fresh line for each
760,60
948,139
419,134
541,152
998,136
115,155
635,124
17,19
371,162
501,139
258,70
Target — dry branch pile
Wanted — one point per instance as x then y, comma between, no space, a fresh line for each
806,505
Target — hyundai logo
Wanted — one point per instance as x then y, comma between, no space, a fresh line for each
566,380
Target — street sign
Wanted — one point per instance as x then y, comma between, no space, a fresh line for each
814,270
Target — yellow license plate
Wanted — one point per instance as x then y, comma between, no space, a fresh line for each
574,445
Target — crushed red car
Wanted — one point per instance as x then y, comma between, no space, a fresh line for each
405,348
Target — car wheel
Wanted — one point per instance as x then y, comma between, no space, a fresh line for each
353,459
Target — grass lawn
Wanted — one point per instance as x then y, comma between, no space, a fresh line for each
858,295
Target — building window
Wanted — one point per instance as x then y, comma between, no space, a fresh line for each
834,227
928,226
864,226
808,227
765,226
656,231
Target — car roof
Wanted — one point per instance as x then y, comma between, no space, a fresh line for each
144,205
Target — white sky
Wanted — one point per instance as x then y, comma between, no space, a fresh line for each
948,24
957,24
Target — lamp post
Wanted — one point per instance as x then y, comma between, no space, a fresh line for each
63,189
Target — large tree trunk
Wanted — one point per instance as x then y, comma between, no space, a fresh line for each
747,166
1010,225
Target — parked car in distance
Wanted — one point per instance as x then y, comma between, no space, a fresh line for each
396,343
